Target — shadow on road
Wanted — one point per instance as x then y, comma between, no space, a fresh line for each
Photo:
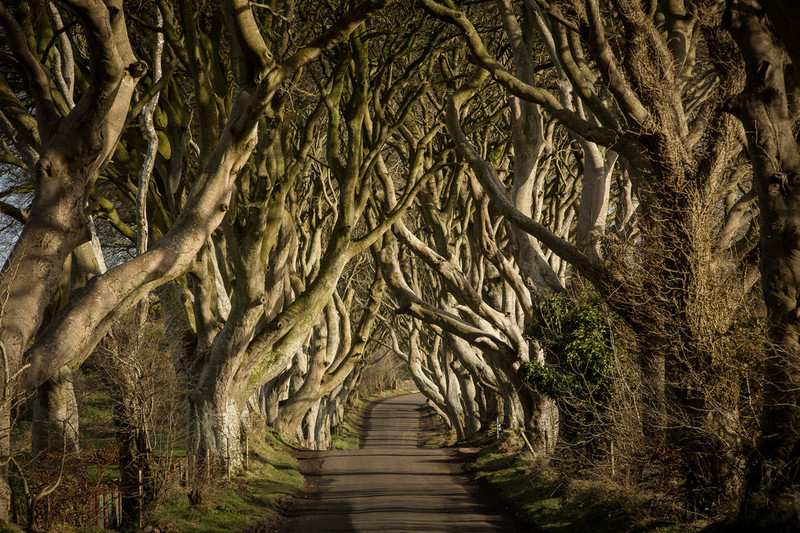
390,484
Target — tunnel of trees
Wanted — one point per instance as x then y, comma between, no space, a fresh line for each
579,219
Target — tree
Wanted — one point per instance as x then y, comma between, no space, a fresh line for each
659,103
767,110
73,146
570,142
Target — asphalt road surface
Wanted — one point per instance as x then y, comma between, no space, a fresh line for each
391,484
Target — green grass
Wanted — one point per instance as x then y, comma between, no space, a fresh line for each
545,500
235,505
255,495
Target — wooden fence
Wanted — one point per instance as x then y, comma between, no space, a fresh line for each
107,504
107,501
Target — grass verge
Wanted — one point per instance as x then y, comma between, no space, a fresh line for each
545,500
251,497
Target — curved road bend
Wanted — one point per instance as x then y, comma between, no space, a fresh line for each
390,484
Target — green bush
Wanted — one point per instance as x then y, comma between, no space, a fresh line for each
576,334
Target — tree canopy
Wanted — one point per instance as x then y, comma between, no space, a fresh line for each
575,217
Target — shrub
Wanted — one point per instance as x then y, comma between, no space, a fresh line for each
580,364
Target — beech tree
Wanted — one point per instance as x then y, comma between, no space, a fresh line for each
287,188
65,148
73,145
659,104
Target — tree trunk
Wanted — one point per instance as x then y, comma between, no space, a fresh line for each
763,107
310,426
55,416
73,148
598,166
454,407
217,432
472,420
5,454
654,415
276,390
134,454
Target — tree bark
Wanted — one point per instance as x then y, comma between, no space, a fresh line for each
55,416
216,429
71,154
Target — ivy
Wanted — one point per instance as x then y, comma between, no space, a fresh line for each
576,335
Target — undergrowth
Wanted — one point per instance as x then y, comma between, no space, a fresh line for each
250,497
545,499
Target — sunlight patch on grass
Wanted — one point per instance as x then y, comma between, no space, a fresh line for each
545,500
251,496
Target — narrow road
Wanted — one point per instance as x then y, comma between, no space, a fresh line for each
390,484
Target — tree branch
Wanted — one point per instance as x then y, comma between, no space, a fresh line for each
46,114
489,180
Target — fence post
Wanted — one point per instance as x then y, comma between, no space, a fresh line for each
100,508
246,451
208,464
228,456
141,500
